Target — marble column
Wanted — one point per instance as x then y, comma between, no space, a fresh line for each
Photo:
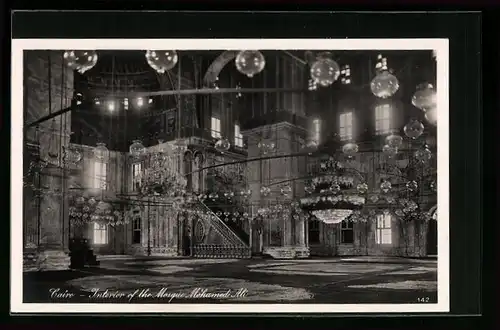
286,137
48,87
300,235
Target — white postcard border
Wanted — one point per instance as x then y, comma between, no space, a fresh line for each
441,46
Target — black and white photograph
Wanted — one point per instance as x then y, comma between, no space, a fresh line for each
230,175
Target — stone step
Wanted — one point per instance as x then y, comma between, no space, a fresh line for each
290,252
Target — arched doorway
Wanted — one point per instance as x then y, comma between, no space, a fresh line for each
432,233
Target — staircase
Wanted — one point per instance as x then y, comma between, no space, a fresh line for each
234,226
224,240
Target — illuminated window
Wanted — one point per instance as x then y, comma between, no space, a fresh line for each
100,175
100,233
136,175
346,232
384,231
345,126
383,119
238,137
215,126
316,130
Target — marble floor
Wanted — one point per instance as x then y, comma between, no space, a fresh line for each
239,281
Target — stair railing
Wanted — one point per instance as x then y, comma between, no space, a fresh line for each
223,228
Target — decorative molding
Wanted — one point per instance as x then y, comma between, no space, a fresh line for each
280,125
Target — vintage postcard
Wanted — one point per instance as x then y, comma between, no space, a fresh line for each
230,176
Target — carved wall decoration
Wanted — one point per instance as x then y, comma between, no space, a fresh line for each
199,231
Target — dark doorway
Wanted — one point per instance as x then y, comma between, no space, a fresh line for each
186,241
187,246
256,242
313,232
432,238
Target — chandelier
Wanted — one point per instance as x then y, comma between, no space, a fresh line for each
83,211
161,177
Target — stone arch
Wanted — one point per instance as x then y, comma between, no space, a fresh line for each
199,156
199,163
188,154
187,162
217,65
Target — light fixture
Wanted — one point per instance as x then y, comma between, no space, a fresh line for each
265,191
325,71
414,129
140,102
222,145
100,151
346,75
424,97
125,103
389,151
312,85
162,60
250,62
111,106
394,141
80,60
71,156
385,84
431,116
137,149
78,98
350,149
150,101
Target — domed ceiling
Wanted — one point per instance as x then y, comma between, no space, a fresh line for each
119,72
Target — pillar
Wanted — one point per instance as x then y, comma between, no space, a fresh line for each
286,137
48,87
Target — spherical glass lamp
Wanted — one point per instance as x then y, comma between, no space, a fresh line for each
424,97
250,62
433,186
394,141
384,84
362,188
310,146
431,116
325,71
389,151
137,149
414,129
412,186
423,155
100,151
222,145
162,60
71,156
80,60
265,191
286,190
385,186
350,149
